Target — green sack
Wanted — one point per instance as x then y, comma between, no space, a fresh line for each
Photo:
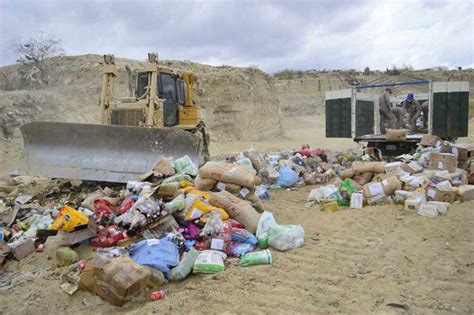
209,261
177,204
263,257
183,269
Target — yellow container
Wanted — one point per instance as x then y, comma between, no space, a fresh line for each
329,205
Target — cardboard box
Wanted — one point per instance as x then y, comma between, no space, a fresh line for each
23,248
442,207
394,168
443,161
462,151
357,201
412,204
466,192
396,134
430,140
115,280
430,211
71,238
445,195
412,168
378,200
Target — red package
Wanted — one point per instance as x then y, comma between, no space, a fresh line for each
107,237
103,208
126,205
203,245
229,224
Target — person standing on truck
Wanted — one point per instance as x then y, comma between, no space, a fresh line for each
413,108
386,114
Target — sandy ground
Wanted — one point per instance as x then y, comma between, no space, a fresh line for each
353,261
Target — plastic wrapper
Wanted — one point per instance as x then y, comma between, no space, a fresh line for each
238,249
185,165
243,236
125,205
103,209
107,237
344,193
214,225
68,219
265,222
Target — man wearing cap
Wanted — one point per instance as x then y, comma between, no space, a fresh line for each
413,108
385,110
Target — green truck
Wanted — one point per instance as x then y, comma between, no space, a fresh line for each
354,113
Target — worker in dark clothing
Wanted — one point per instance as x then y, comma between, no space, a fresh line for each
413,108
385,110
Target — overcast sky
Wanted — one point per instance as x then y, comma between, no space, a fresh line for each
273,35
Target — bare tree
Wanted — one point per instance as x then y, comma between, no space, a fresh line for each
34,50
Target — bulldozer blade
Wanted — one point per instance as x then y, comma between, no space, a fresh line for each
100,152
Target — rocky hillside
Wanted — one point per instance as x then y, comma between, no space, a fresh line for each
239,103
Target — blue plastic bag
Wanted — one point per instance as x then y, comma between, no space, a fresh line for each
161,254
287,177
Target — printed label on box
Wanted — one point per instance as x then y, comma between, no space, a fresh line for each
220,186
455,151
431,193
356,201
440,165
375,189
244,192
385,183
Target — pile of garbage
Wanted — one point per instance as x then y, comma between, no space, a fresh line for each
438,174
176,220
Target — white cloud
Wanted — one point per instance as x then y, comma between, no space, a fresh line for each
274,35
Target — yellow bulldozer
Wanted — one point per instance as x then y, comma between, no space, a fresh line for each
161,120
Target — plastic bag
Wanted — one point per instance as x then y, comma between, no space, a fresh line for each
287,177
107,237
266,222
285,237
209,261
243,236
344,193
214,225
262,192
68,219
318,194
126,204
263,257
103,209
185,266
185,165
238,249
161,254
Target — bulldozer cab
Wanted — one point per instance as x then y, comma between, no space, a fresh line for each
170,88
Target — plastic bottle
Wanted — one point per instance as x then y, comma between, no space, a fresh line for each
262,192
